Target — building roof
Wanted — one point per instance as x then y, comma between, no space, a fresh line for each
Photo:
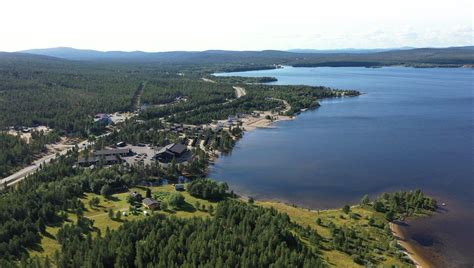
111,152
83,160
150,201
178,148
110,158
173,148
94,159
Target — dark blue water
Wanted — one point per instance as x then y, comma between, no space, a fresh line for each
413,128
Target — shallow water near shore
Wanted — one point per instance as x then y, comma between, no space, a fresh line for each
412,129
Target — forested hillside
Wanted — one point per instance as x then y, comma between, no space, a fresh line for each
60,95
230,60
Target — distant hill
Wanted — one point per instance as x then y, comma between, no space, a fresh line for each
347,50
18,56
424,57
178,56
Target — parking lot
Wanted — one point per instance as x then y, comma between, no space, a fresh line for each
143,154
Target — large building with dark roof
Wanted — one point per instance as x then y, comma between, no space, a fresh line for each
170,151
107,157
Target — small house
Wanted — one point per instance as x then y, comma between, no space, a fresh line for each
151,203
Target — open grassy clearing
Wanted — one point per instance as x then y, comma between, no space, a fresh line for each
118,202
306,217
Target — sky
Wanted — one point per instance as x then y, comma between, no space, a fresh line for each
165,25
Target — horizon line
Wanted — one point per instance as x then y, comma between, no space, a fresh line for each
237,50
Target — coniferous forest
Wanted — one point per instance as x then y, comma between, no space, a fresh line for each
66,215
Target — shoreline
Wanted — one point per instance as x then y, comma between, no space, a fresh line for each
250,124
407,248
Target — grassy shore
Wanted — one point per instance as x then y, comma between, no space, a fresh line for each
360,223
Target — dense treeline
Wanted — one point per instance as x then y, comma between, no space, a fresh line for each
242,80
298,96
182,96
206,114
193,92
208,189
239,235
403,204
65,95
25,211
261,98
267,59
61,95
16,152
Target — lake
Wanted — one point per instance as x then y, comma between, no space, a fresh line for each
412,128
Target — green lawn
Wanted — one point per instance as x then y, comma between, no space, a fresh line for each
118,202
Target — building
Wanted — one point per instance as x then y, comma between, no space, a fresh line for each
115,152
106,157
94,160
170,151
151,203
103,118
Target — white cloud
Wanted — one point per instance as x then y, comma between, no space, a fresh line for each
246,24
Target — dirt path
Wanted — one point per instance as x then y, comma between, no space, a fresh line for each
285,103
240,92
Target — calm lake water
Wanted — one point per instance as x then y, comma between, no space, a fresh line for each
413,128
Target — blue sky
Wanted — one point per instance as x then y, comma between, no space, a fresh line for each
234,24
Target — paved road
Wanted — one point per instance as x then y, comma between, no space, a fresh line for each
21,174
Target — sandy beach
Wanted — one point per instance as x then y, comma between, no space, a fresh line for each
250,123
409,249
